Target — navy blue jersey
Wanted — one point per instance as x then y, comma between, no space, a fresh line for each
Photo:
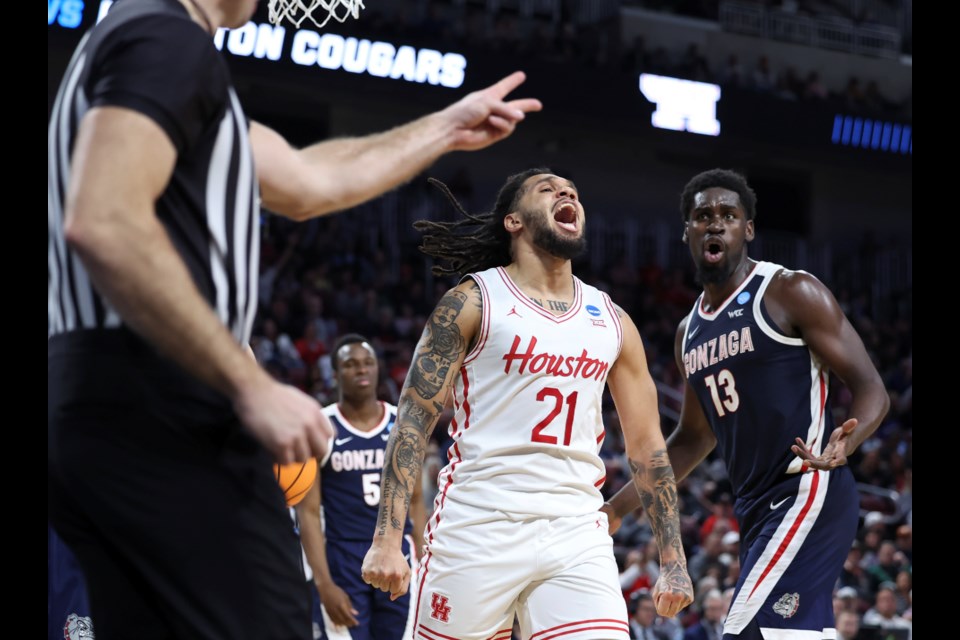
350,476
758,388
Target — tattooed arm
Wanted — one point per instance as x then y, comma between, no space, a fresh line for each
635,396
447,337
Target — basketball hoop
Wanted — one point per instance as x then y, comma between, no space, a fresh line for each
298,11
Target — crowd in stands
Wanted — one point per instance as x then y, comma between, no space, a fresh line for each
332,276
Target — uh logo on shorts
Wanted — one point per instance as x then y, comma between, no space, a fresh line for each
439,607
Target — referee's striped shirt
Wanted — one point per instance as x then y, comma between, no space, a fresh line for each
150,57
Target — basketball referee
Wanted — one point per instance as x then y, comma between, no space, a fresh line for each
161,430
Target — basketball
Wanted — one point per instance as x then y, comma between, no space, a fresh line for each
296,479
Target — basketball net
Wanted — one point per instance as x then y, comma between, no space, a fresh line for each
298,11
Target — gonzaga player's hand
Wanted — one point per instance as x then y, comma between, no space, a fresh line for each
387,570
834,454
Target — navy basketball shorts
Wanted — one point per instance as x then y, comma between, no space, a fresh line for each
379,617
791,558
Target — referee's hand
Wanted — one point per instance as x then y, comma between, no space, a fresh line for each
287,421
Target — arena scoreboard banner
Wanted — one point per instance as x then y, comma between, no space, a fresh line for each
345,56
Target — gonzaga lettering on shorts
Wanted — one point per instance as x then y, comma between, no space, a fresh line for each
532,385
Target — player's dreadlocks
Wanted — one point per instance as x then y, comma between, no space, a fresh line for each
478,242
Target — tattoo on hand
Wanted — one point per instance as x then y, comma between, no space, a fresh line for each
674,578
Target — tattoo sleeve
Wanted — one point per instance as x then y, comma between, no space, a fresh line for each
404,459
657,487
440,348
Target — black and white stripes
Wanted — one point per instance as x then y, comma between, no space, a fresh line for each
210,208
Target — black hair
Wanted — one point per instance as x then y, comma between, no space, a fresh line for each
478,242
342,341
725,179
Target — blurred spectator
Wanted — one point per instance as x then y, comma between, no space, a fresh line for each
789,86
854,575
763,79
309,346
884,612
848,625
905,542
638,573
813,88
732,74
888,565
634,59
644,622
853,98
274,347
710,625
904,585
873,100
325,329
693,65
846,599
708,553
722,514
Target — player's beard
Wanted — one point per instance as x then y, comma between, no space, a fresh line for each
550,240
718,273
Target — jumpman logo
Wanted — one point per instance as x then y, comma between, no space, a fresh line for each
513,312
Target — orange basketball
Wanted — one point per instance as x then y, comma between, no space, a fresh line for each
296,479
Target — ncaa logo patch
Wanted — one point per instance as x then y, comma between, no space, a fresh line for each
787,605
743,297
592,310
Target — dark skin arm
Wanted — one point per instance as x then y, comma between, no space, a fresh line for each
687,446
446,340
802,307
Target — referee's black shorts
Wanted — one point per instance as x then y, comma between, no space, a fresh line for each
170,506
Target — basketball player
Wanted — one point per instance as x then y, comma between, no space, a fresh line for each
757,351
348,491
161,432
527,349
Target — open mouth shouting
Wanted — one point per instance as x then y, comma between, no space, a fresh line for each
565,214
713,250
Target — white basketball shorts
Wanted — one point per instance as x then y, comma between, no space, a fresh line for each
482,567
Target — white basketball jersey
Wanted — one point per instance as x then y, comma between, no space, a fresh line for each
528,423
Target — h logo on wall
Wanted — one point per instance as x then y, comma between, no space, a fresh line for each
682,105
